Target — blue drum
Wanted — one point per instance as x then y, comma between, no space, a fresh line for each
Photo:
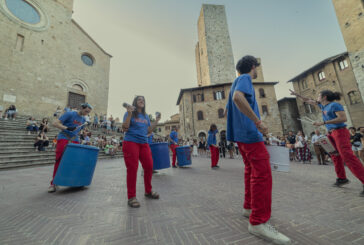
77,165
184,155
160,154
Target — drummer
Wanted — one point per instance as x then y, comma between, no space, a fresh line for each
334,117
214,148
137,126
71,124
174,144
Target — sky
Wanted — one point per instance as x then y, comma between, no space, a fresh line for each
153,43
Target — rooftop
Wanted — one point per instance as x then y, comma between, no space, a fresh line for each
318,65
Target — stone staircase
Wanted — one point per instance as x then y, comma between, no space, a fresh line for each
16,146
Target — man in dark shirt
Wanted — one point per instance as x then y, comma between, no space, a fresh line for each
291,138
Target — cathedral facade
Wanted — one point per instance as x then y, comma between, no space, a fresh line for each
48,60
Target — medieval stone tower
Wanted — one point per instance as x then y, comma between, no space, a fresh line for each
214,54
350,14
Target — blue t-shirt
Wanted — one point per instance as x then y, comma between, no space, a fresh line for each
211,139
328,113
239,127
150,139
71,119
174,136
138,129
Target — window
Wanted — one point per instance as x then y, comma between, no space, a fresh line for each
167,127
220,112
159,129
198,97
309,108
23,11
199,115
343,64
219,95
354,97
304,84
77,87
19,42
265,109
321,75
87,59
261,93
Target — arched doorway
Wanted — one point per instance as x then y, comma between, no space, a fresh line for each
202,135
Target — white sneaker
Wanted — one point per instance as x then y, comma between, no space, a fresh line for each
247,212
52,188
268,233
6,118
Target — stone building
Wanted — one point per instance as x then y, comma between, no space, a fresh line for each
48,60
201,106
350,14
214,54
165,128
289,114
336,74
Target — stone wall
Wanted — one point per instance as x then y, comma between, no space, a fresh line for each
215,56
289,114
192,127
39,72
350,14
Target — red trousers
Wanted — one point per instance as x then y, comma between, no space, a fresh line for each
258,181
174,154
340,138
61,145
133,153
214,156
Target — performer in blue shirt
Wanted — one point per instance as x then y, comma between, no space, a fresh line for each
334,117
212,144
137,126
245,127
70,123
173,136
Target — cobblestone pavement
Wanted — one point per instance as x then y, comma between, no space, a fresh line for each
197,206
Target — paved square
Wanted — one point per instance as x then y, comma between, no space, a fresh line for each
197,206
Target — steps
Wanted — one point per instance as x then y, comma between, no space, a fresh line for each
17,150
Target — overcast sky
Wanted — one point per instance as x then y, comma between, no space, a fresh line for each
153,42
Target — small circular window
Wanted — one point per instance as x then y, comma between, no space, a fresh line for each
87,59
24,11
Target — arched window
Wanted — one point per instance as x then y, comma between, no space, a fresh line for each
354,97
199,115
261,93
265,109
77,87
220,112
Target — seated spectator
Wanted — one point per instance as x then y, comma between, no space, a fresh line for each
54,142
41,142
10,112
44,125
109,149
32,125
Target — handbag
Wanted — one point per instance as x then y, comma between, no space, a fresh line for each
298,144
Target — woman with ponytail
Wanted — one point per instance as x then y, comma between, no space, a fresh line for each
334,118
